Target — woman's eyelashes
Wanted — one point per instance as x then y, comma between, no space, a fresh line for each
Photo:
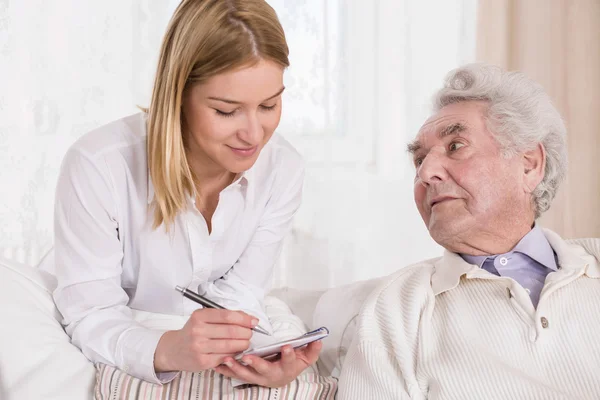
224,113
268,108
233,112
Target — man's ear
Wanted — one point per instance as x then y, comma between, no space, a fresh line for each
534,167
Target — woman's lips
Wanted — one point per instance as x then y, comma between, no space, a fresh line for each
244,152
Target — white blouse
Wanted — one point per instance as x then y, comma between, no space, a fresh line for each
109,260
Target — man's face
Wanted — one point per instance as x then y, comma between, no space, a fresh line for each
465,189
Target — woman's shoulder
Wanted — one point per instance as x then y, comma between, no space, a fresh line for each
114,136
115,153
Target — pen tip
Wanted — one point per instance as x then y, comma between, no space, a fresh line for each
179,289
262,330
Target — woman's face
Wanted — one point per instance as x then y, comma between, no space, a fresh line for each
229,118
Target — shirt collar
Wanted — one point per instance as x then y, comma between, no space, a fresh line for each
534,245
475,260
451,266
241,179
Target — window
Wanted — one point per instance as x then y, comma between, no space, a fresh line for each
359,86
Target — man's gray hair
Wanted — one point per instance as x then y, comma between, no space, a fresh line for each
520,116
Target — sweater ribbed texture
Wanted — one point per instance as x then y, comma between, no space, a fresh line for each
482,338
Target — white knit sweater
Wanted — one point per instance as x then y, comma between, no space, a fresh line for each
445,329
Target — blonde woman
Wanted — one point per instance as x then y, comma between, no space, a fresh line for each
196,192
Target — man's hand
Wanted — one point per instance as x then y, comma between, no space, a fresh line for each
272,374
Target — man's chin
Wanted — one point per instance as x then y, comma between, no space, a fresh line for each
445,232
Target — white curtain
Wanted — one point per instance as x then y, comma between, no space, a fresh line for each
555,42
358,89
360,85
66,67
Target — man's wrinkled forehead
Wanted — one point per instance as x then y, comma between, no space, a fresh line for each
453,119
441,124
440,127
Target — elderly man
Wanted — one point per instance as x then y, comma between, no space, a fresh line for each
511,310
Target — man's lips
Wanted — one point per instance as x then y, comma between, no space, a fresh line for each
440,199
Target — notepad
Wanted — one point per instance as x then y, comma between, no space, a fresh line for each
273,350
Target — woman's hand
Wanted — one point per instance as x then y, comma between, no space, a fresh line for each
272,374
206,340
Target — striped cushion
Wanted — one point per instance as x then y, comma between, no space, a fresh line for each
114,384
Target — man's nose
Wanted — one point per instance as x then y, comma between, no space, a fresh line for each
432,169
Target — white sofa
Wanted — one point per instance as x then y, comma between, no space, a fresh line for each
37,360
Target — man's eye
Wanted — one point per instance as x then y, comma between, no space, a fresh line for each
455,146
418,161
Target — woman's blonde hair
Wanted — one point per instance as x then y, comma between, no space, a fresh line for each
204,38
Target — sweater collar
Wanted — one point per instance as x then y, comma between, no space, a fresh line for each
451,267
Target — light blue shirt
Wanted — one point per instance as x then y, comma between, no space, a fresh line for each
531,260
